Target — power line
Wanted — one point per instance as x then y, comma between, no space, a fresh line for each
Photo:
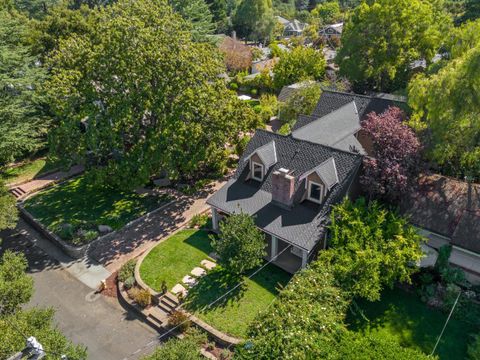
446,322
151,343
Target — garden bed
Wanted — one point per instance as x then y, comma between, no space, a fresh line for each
74,210
403,317
175,257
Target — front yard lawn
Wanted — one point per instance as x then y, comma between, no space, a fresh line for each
403,317
77,201
174,258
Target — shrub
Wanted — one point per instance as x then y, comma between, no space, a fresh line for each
253,92
178,318
127,270
199,221
285,129
233,86
143,298
473,349
242,145
90,235
269,106
129,283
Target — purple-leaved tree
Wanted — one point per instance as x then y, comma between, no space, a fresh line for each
396,155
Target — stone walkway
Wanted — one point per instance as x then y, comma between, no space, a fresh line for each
23,190
132,242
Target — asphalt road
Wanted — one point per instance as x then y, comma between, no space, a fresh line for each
101,324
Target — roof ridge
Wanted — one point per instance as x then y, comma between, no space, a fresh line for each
326,89
310,142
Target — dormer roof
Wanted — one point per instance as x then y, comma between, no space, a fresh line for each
327,171
267,153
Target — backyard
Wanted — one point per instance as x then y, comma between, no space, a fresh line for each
402,316
27,171
174,258
77,202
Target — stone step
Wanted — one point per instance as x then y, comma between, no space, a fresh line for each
155,322
166,309
17,192
169,302
172,297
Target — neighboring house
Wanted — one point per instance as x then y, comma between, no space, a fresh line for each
447,211
336,120
288,185
292,28
289,90
333,30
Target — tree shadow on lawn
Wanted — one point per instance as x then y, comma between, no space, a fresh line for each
212,286
409,320
201,241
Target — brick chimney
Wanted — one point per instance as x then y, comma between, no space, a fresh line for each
283,184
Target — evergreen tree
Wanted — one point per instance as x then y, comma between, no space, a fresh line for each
254,20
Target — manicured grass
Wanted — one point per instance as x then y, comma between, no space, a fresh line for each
174,258
403,317
233,313
76,200
27,171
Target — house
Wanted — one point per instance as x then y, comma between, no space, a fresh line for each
288,90
447,212
291,28
333,30
288,185
336,120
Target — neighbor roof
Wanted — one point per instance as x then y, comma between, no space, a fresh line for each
303,224
337,127
331,100
448,207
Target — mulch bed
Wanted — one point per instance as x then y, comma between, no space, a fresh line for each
111,290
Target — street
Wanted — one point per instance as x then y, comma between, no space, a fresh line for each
101,324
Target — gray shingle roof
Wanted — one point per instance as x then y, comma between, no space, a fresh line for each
333,100
303,224
267,153
331,128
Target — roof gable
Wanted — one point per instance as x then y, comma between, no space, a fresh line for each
267,153
327,172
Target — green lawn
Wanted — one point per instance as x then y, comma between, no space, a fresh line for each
76,200
27,171
177,256
403,317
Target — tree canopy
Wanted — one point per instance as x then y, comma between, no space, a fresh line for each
254,19
372,248
23,122
302,101
8,209
137,97
299,64
446,108
396,156
382,38
197,12
240,245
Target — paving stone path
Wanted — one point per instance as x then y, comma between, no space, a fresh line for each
131,242
20,191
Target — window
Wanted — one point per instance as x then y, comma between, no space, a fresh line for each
257,171
315,192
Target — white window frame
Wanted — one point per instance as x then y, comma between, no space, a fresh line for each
254,163
309,189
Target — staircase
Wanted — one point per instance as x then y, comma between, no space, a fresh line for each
158,315
17,192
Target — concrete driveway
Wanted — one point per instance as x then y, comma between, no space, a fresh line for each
102,324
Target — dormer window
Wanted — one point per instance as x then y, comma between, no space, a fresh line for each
257,171
315,192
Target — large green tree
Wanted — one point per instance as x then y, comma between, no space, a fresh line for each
254,20
381,38
137,97
197,12
299,64
373,247
22,121
219,10
446,106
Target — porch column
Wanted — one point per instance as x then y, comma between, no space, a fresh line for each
215,219
274,249
304,258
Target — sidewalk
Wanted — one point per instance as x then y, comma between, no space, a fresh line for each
44,181
130,243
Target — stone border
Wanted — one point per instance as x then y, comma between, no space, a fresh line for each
78,252
220,337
